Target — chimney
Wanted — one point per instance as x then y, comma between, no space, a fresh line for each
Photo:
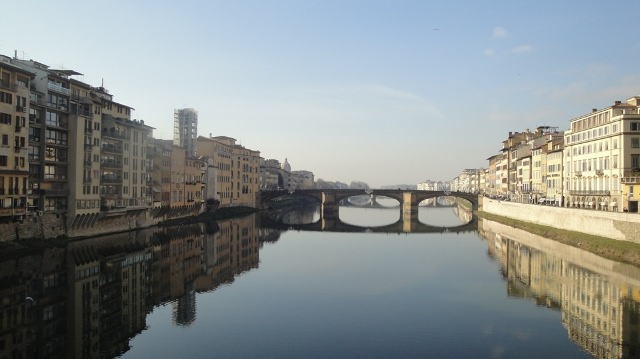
618,102
594,110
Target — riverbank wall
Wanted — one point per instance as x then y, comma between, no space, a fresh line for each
498,233
52,225
614,225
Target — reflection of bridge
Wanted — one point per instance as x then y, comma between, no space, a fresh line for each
403,225
372,201
329,199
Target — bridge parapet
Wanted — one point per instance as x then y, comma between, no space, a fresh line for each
409,198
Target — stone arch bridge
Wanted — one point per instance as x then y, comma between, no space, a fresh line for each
329,199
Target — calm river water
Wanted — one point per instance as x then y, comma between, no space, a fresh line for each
245,288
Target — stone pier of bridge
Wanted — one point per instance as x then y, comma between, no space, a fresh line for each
408,208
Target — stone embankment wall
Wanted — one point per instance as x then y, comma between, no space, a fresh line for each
615,271
52,225
615,225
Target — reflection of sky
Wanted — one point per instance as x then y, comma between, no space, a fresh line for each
376,217
323,294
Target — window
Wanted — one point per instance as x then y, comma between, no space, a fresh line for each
635,126
5,118
6,97
635,142
34,134
635,161
34,153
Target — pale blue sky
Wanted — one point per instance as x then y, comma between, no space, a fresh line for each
385,92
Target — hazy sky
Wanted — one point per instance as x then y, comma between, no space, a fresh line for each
385,92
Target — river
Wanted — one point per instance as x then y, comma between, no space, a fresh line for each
236,289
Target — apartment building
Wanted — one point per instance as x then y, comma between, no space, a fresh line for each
602,158
14,129
186,179
86,155
552,172
237,169
160,154
123,166
49,137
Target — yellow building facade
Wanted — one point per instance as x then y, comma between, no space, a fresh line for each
237,170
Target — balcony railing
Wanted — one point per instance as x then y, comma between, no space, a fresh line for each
111,148
58,88
578,173
111,179
111,164
8,85
630,180
81,99
114,134
590,193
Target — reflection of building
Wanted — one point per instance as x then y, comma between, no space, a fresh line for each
593,312
90,298
184,308
601,315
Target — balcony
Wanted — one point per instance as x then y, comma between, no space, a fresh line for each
599,173
8,85
111,148
21,109
578,173
4,212
630,180
112,133
58,88
111,164
590,193
55,191
81,99
111,179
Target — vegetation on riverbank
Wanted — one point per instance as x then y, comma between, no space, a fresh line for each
617,250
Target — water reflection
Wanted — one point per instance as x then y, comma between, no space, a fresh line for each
90,298
599,298
437,219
